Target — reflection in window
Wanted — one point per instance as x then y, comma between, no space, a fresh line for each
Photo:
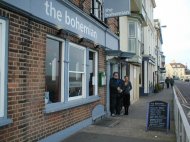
76,70
76,58
132,45
53,70
132,29
75,84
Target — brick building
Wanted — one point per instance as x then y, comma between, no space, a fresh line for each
52,67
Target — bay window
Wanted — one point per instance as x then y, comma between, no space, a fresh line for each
134,37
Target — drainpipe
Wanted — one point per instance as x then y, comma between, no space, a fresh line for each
108,89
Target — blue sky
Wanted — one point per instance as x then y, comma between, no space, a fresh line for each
176,36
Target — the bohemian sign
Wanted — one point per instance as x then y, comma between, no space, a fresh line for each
115,8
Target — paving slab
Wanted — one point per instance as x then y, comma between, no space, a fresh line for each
129,128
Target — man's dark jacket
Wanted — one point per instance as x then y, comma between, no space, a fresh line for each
114,83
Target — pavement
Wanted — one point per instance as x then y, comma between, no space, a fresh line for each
129,128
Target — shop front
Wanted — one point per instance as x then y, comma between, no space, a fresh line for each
56,69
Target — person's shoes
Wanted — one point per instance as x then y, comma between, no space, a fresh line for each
126,113
113,115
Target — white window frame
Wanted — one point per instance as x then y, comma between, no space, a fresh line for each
62,64
96,71
83,76
137,37
66,101
2,72
133,37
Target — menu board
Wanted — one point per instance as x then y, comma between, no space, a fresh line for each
158,116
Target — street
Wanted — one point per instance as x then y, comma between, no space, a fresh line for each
183,93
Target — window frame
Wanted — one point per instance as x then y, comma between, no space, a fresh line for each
96,72
66,101
132,37
95,9
4,120
61,67
83,73
2,69
137,37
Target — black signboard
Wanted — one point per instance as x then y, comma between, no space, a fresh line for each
158,116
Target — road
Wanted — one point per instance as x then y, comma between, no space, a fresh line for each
184,88
183,93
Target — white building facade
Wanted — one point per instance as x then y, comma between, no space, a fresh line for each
132,41
150,54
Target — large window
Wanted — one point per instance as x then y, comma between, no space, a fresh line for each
71,74
97,8
54,49
76,71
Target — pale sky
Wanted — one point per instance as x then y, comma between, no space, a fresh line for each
175,14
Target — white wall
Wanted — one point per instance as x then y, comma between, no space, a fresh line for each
123,28
134,78
149,31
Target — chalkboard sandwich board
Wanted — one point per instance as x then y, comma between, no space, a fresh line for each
158,116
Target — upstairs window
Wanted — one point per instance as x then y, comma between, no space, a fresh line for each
97,8
132,37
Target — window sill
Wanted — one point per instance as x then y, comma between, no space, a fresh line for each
5,121
54,107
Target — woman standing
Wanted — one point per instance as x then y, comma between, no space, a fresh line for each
126,94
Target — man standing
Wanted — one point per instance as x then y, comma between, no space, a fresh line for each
171,82
115,94
167,81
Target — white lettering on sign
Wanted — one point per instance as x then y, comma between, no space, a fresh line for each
111,14
52,12
73,22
